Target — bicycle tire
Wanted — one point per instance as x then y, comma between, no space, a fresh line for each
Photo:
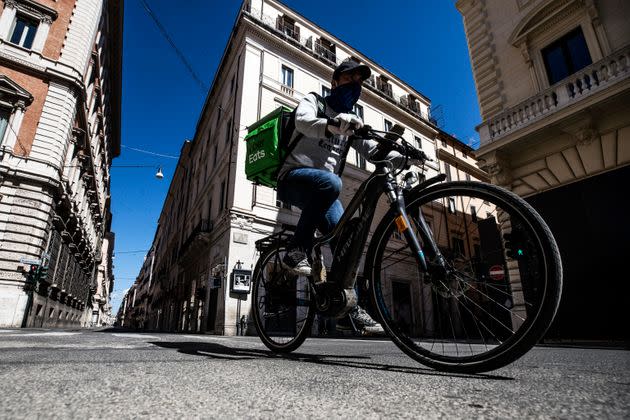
544,270
268,314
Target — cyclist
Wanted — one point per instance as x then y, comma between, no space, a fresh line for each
308,178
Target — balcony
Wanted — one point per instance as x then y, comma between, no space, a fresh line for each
199,237
571,91
325,53
287,27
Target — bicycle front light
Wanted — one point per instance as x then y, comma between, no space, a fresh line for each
410,178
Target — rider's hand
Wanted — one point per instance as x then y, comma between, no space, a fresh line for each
349,123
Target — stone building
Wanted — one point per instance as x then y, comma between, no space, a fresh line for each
213,215
553,83
60,95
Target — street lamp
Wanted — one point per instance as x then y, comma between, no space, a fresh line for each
159,174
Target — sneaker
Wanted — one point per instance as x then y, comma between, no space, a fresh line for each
296,262
362,321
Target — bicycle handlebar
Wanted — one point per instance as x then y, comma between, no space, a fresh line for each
367,132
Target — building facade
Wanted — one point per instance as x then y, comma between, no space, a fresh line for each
213,215
60,95
553,83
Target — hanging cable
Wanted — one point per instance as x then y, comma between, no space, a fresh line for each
149,153
172,44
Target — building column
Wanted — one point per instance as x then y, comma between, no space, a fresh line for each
7,18
42,34
15,122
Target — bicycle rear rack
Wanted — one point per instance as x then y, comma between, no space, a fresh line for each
274,240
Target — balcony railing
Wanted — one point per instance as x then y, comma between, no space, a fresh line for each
586,82
288,29
200,233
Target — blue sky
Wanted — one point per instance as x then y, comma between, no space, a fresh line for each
422,42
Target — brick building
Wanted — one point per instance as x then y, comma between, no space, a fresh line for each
60,95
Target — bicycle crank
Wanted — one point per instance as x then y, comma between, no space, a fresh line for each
334,301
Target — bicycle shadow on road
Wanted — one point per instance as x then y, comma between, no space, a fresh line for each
223,352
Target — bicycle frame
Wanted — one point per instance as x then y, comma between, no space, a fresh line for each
352,231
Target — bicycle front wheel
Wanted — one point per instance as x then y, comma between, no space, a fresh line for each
283,305
501,289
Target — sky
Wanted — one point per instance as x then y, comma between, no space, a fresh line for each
421,42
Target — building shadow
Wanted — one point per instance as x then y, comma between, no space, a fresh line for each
223,352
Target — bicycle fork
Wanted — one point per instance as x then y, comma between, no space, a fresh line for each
397,203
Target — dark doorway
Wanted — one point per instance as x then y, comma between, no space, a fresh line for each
590,221
212,309
402,305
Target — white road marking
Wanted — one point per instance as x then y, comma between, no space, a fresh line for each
55,333
135,335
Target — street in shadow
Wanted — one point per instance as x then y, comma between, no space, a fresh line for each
223,352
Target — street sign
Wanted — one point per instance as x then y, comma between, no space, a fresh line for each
497,272
30,261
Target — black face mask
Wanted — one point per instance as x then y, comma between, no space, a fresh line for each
342,98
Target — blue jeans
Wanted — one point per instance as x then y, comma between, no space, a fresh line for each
315,192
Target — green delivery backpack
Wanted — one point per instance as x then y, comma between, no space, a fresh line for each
267,143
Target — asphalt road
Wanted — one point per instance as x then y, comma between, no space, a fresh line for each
114,374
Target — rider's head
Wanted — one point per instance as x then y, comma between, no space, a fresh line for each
346,85
350,71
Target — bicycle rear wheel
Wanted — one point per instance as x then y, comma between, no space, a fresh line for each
502,290
283,305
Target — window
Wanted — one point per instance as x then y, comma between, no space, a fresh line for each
451,205
23,31
358,111
388,125
287,76
458,246
222,197
228,133
467,177
5,114
447,171
418,142
473,213
566,56
280,203
325,91
219,112
232,83
360,160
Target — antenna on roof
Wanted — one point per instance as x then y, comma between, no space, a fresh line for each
436,116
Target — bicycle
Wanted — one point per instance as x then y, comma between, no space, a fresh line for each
454,289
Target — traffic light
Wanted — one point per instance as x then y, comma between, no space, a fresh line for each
31,277
42,272
514,244
32,273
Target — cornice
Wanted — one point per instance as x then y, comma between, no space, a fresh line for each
32,7
542,18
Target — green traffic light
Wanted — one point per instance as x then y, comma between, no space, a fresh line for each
520,253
